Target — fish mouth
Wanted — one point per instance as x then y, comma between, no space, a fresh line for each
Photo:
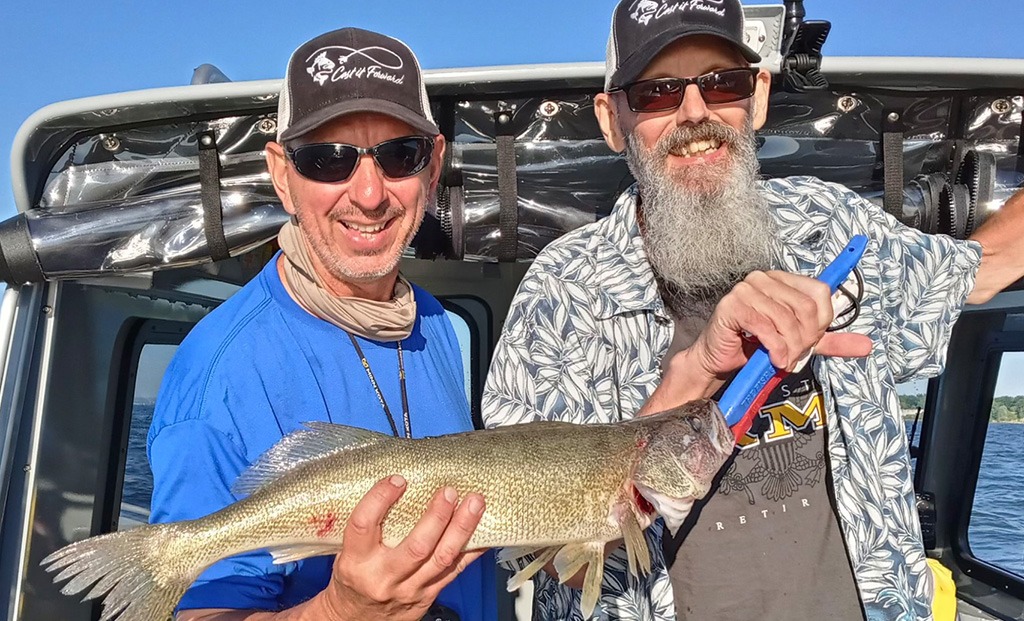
672,510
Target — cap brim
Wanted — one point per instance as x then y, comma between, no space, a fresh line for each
381,106
632,67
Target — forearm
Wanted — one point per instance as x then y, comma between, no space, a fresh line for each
684,380
313,609
1002,252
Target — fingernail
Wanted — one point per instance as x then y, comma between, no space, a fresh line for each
476,505
397,480
450,495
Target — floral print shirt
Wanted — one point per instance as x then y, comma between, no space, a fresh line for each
587,330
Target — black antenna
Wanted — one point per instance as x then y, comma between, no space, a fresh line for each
801,50
794,17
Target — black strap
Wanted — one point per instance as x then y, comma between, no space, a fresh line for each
19,263
1020,149
209,187
892,162
508,190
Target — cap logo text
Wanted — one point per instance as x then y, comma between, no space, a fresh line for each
643,11
339,62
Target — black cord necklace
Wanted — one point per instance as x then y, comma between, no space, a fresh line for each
380,395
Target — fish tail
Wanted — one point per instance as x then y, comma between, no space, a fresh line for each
125,569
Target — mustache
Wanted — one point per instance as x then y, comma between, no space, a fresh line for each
707,130
386,211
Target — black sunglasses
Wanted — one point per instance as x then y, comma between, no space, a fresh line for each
329,162
717,87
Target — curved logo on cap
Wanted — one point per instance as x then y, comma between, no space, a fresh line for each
340,62
643,11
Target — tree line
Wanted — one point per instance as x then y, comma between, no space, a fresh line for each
1004,409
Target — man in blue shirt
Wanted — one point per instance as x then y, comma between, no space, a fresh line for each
330,331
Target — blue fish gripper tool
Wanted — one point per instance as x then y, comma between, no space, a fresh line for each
755,381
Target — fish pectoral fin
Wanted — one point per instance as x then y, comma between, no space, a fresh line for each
506,555
299,551
636,545
571,559
520,577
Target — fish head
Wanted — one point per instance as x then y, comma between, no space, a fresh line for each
682,450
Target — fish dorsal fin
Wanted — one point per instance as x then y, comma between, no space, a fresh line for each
317,440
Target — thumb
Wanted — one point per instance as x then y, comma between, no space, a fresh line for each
843,345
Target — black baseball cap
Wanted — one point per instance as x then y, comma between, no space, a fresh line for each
351,70
642,28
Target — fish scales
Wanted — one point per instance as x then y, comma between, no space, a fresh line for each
539,487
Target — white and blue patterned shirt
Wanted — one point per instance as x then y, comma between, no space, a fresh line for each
587,330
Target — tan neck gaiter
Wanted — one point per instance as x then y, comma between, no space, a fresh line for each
392,320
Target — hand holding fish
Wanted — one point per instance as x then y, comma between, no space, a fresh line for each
374,581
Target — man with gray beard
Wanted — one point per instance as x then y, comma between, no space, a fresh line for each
724,211
659,303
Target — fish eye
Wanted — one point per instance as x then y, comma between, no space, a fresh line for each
695,424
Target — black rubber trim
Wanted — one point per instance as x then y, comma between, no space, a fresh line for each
19,263
978,172
209,187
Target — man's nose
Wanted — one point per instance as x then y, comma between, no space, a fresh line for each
693,109
366,187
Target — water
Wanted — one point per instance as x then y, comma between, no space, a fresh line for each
996,531
138,479
995,534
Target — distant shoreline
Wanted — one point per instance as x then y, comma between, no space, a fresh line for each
1005,408
909,415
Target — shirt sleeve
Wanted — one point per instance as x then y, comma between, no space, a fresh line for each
540,368
926,280
194,466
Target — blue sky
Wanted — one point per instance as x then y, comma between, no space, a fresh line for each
56,50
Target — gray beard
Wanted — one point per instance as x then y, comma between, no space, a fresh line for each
704,227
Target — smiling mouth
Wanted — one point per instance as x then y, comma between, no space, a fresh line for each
697,148
367,230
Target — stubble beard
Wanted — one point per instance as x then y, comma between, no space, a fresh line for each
704,226
346,269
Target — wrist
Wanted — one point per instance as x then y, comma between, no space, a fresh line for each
326,605
686,377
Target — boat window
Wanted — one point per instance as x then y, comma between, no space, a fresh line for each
464,334
996,529
473,324
138,479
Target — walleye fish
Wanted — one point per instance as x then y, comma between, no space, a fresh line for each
555,490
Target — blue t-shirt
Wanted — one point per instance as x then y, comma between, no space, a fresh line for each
255,369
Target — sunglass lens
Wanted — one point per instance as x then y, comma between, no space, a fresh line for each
325,163
729,86
404,157
654,96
